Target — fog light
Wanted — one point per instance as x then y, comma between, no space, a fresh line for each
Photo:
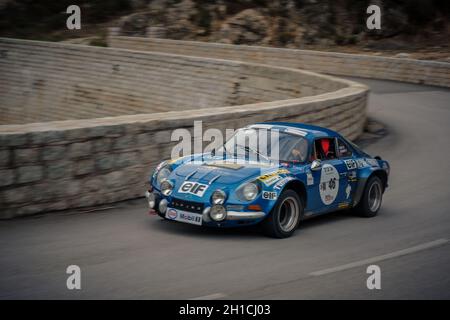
163,206
151,199
218,213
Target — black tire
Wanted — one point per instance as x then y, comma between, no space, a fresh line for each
279,224
373,189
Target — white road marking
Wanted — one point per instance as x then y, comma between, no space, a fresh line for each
213,296
391,255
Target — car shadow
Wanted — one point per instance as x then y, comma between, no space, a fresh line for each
247,232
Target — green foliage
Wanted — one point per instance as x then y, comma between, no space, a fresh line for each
99,42
202,16
285,37
35,19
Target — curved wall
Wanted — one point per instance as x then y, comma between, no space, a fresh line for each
41,81
55,165
398,69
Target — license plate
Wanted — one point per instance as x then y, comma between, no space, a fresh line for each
184,216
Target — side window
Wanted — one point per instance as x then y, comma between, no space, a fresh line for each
343,150
324,149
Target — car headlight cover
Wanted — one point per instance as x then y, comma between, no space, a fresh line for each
218,213
162,174
250,191
218,197
166,187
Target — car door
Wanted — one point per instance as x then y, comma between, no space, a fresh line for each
328,185
349,182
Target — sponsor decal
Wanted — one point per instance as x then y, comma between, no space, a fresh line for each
280,184
343,205
195,188
190,218
283,171
269,178
329,184
184,216
269,195
361,163
309,178
351,164
172,214
372,162
348,190
270,181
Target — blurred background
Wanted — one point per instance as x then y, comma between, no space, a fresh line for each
410,28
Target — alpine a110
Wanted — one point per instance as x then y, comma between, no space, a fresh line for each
315,171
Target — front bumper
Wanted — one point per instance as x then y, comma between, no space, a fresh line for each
245,215
233,219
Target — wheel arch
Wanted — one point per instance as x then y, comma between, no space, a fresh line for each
299,188
363,182
382,175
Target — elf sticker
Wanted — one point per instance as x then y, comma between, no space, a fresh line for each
329,184
195,188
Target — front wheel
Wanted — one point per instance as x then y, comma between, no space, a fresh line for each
371,199
285,216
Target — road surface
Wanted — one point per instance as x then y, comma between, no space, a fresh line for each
124,253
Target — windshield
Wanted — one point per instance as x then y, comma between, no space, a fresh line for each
266,144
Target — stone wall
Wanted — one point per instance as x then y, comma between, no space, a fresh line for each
398,69
42,81
55,165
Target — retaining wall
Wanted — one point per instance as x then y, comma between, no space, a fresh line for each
398,69
42,81
55,165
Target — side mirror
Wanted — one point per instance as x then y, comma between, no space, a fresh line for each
316,165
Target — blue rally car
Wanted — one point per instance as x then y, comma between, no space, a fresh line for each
316,171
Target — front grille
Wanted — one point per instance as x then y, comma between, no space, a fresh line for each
196,207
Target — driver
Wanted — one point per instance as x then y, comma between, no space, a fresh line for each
299,151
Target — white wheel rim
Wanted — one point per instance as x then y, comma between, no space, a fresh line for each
288,214
374,197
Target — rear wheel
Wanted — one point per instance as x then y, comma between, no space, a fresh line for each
285,216
371,199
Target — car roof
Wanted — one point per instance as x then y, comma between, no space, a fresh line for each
311,131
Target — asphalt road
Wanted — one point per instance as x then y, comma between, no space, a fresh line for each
124,253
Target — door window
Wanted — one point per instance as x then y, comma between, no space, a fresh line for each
324,149
343,149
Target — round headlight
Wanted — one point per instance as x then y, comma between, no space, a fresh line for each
250,191
163,173
218,197
218,213
166,187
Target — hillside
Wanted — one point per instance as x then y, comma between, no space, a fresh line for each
414,28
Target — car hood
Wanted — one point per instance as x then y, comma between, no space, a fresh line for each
222,172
